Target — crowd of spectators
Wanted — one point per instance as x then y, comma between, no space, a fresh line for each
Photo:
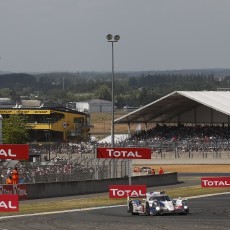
62,164
195,138
62,148
37,173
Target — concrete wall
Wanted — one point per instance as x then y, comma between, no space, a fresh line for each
58,189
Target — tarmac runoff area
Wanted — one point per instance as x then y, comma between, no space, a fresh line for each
210,212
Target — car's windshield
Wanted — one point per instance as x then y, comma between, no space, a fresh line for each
160,198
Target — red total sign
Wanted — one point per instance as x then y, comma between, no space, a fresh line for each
128,153
9,203
14,151
122,191
215,182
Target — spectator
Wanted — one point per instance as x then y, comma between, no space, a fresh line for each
153,171
15,176
9,180
161,171
21,181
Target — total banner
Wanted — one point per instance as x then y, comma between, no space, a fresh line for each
16,189
215,182
9,203
123,191
124,153
14,151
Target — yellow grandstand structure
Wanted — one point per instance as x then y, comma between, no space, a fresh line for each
54,124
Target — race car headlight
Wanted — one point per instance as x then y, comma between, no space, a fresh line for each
157,208
185,207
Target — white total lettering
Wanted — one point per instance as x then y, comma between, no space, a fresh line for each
120,193
215,183
11,206
110,152
123,153
137,193
204,181
116,154
114,191
130,154
134,193
133,154
4,205
11,154
210,183
4,153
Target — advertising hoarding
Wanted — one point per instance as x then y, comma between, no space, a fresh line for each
214,182
123,191
124,153
9,203
14,151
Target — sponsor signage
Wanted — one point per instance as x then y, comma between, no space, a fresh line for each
127,153
14,151
16,189
215,182
9,203
24,111
64,124
123,191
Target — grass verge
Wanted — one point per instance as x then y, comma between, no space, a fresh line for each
105,201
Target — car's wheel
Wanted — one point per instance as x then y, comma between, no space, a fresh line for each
156,204
147,209
131,209
186,211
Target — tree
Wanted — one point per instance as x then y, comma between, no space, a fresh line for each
15,129
103,92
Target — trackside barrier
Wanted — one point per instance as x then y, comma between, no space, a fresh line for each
71,188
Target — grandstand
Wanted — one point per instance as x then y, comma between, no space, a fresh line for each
180,125
183,107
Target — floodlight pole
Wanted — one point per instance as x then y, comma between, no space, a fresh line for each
112,39
1,138
112,123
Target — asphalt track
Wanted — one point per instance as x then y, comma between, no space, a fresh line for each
211,212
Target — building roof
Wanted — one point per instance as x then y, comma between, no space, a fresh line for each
99,101
183,106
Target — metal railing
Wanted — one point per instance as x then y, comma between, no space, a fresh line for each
79,163
81,168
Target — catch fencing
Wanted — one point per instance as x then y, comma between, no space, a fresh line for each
79,169
185,149
58,162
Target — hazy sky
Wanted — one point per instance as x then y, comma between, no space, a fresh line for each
70,35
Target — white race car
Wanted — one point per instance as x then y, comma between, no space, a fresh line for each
156,203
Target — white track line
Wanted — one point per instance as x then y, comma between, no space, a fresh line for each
95,208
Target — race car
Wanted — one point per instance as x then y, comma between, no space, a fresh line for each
156,203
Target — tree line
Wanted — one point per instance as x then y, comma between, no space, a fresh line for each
129,89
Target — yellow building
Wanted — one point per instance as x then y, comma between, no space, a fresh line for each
54,124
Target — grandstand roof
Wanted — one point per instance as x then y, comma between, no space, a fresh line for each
183,107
